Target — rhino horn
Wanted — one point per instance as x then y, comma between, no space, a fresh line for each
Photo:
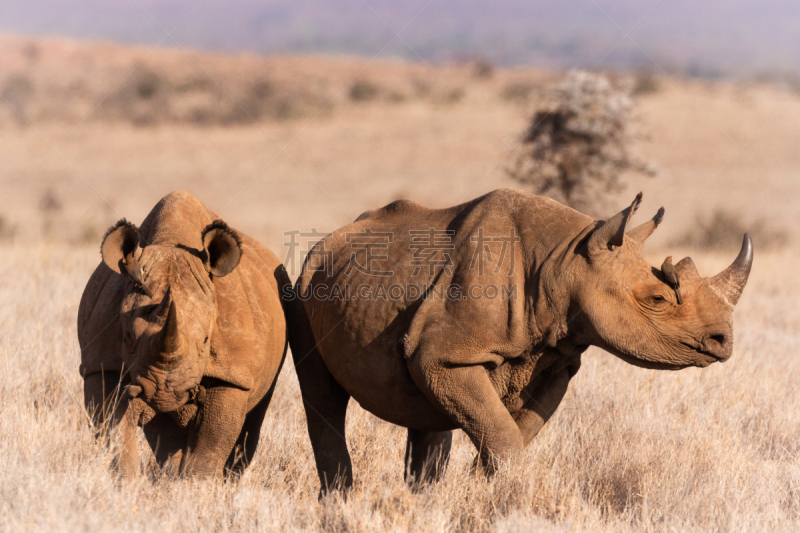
730,282
687,269
640,233
612,231
170,336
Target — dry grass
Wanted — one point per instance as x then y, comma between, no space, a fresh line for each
629,450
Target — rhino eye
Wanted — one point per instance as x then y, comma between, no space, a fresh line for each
659,299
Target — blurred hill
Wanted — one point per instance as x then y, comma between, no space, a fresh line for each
94,131
710,38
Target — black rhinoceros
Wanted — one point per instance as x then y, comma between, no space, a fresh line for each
182,332
475,317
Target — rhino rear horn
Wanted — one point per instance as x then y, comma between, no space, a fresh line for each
612,231
222,247
730,282
687,269
640,233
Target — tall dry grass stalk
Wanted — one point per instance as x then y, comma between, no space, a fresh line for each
629,449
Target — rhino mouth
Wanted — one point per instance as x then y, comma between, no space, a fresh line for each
168,401
702,359
650,364
708,357
163,399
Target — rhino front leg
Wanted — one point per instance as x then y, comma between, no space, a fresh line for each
114,417
543,398
101,393
168,450
427,454
211,440
466,395
126,420
245,448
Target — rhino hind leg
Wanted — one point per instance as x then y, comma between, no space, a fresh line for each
324,400
427,455
325,403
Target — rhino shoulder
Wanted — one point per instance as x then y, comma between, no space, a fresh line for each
263,260
250,318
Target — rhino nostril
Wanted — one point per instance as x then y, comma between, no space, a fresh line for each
718,338
718,345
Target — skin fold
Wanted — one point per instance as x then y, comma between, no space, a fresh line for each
495,367
182,332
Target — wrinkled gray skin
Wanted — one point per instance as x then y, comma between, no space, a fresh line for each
496,368
182,332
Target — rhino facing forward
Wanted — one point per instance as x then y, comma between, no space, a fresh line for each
182,332
398,311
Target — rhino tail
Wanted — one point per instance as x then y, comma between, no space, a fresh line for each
298,325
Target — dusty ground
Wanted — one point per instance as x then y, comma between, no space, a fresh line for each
628,450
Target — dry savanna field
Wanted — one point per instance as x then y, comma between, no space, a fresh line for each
92,132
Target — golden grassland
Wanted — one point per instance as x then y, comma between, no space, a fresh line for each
628,450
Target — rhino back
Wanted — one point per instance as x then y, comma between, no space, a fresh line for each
539,224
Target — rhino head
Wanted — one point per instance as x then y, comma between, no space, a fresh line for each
168,309
631,310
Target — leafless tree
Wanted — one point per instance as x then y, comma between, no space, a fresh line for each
577,149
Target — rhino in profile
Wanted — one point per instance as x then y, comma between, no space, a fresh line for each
182,332
496,363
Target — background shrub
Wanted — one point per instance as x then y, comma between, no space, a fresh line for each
577,148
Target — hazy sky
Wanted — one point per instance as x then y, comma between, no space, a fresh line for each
708,36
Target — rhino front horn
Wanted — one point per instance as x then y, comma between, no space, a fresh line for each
730,282
171,338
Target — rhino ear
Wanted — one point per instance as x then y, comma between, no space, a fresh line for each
121,251
120,243
223,248
612,232
640,233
